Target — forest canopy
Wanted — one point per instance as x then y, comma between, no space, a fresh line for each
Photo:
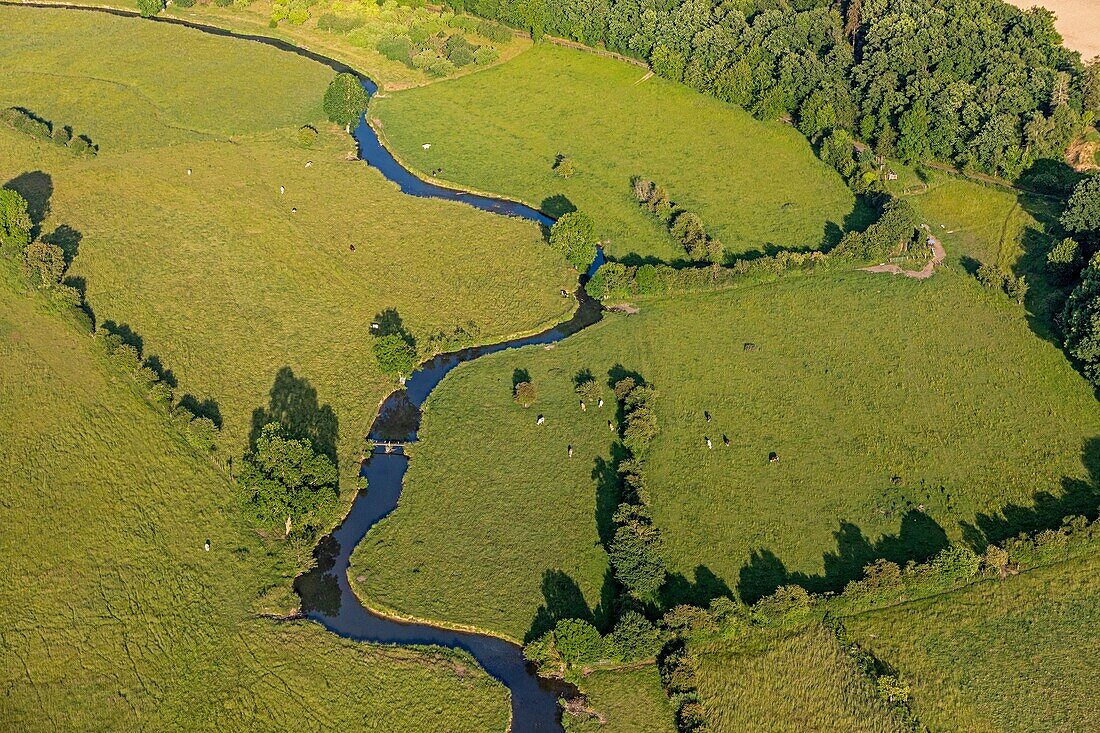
977,83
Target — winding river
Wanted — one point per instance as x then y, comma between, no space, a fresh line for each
325,591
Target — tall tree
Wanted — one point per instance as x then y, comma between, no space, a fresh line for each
345,100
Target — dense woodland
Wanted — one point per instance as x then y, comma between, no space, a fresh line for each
976,83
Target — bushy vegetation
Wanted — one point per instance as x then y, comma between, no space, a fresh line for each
345,100
27,122
686,227
974,82
895,231
574,236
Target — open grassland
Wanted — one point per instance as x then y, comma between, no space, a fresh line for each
755,184
118,620
801,683
625,701
904,414
224,283
1015,656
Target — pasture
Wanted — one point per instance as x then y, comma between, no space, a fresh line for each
903,413
1017,655
625,701
251,298
119,620
756,185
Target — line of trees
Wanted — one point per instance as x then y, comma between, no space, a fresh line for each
29,123
686,227
977,83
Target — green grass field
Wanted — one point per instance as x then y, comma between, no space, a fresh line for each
802,683
1015,656
755,184
118,620
625,700
223,281
899,409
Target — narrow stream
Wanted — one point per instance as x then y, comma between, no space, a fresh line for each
325,592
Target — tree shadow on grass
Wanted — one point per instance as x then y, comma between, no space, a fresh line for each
557,206
37,188
562,599
68,239
207,408
293,404
678,589
919,538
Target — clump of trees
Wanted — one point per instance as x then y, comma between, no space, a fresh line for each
438,54
1080,316
896,231
345,100
995,277
43,262
149,8
975,83
574,235
31,124
564,166
686,227
285,482
395,354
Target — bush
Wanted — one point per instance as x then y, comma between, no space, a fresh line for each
991,276
524,394
578,642
634,638
574,235
396,48
396,357
494,32
45,263
15,223
1064,261
345,100
635,557
149,8
339,23
485,56
563,166
307,135
440,67
459,51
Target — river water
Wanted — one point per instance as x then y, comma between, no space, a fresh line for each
325,592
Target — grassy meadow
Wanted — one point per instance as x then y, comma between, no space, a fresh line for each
756,185
904,414
626,700
797,683
227,282
1016,656
118,618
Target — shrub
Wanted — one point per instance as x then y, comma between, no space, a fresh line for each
149,8
634,637
62,134
307,135
524,394
991,276
494,32
15,223
345,99
45,263
458,50
396,48
578,642
563,166
339,23
635,557
202,434
396,357
574,235
589,389
440,67
485,56
1064,261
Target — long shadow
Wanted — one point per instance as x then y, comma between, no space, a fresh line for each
68,239
293,404
37,188
919,538
1079,497
680,590
562,599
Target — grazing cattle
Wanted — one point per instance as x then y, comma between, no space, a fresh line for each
706,415
610,426
726,440
206,546
709,444
584,407
541,419
773,457
426,146
188,171
282,189
309,164
599,402
570,449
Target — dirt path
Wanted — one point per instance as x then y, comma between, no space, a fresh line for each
939,254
